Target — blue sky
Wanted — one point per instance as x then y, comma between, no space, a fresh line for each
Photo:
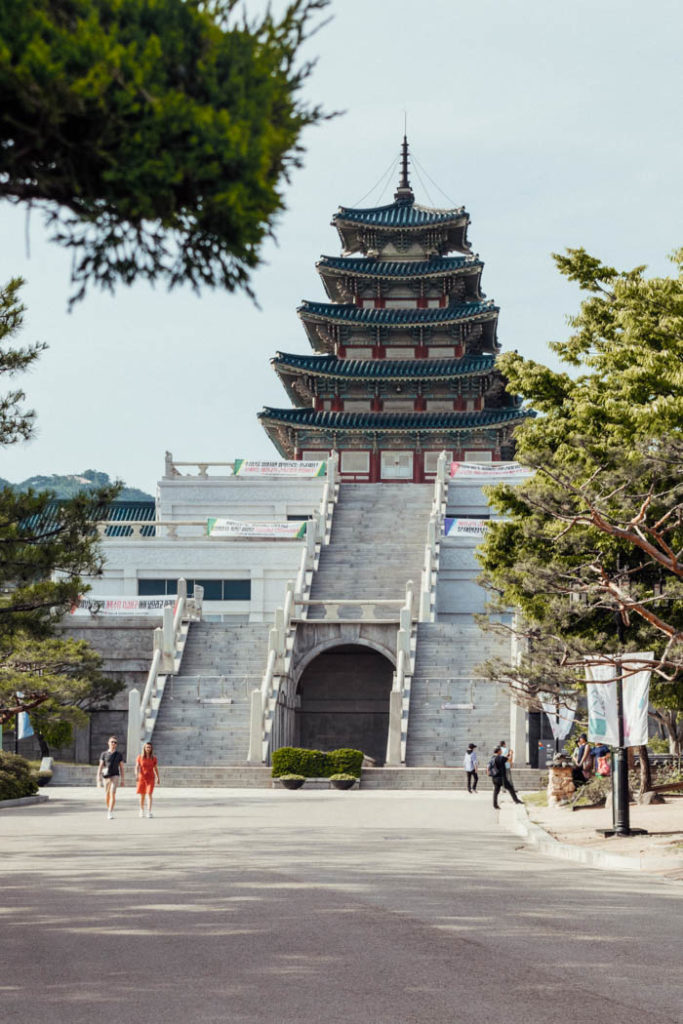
554,124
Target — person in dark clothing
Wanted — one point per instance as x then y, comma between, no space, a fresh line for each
110,771
497,771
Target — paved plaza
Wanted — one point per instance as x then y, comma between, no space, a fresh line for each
317,907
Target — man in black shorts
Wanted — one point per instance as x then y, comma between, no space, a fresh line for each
110,770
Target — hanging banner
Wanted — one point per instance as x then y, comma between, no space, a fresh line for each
465,527
561,718
238,528
486,470
243,467
24,727
603,725
123,605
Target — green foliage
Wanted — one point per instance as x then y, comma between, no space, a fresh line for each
590,535
16,423
346,760
155,135
16,777
343,777
314,764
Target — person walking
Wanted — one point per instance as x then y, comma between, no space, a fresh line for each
110,770
497,770
471,764
147,774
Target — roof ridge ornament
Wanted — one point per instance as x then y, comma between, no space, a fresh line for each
404,193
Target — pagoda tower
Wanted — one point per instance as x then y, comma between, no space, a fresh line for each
404,350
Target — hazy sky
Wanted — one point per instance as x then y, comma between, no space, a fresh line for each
555,124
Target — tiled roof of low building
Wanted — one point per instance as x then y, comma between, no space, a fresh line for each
400,215
395,421
117,511
385,369
354,314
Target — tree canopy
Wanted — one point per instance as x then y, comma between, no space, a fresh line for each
46,547
155,134
590,549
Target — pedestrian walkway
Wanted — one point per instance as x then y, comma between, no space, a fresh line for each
277,907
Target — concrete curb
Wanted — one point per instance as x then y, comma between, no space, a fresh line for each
25,801
547,844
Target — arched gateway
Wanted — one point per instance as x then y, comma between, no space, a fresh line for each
343,701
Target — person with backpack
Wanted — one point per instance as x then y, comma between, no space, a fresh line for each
497,772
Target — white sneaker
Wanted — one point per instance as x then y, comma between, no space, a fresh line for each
142,814
110,815
149,814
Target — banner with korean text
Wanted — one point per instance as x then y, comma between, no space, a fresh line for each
487,470
465,527
561,718
238,528
123,605
603,725
244,467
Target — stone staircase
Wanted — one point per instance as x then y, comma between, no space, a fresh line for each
204,714
445,674
377,543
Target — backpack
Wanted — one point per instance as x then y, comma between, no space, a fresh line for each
492,767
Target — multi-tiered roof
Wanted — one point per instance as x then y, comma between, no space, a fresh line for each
405,348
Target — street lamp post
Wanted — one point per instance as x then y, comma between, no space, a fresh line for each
621,816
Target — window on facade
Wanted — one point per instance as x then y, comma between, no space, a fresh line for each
431,459
308,455
355,462
214,590
478,456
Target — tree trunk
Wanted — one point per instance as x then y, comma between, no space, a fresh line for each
645,771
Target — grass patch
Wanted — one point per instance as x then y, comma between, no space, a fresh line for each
536,799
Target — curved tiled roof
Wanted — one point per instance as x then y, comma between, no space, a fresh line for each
385,369
354,314
119,511
399,215
398,268
395,421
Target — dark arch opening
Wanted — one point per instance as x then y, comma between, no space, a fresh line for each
344,695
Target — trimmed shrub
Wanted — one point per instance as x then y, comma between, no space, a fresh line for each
17,778
346,761
314,764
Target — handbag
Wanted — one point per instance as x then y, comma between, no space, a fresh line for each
604,766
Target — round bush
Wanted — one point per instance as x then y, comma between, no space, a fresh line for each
17,778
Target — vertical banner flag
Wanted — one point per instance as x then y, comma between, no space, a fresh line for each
603,726
24,727
561,719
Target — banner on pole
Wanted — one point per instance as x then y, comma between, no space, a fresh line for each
465,527
245,467
238,528
561,718
487,470
603,724
24,727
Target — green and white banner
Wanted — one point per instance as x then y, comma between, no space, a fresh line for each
603,724
244,467
465,527
238,528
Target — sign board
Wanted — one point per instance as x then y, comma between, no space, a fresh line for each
465,527
487,470
238,528
123,605
244,467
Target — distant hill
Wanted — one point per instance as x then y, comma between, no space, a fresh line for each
67,486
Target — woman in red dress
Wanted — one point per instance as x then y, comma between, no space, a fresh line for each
146,773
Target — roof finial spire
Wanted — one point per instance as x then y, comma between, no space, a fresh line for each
404,192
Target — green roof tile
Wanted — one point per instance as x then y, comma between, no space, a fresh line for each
354,314
385,369
401,214
399,268
395,421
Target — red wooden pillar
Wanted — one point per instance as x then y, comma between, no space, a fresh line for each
375,467
418,467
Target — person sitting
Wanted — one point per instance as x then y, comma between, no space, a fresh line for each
583,761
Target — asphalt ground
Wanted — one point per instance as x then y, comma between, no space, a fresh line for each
317,907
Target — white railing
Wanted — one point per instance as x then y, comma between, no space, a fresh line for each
171,467
281,637
399,698
430,565
169,645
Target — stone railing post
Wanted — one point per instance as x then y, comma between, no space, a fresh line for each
395,718
134,726
255,755
169,468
